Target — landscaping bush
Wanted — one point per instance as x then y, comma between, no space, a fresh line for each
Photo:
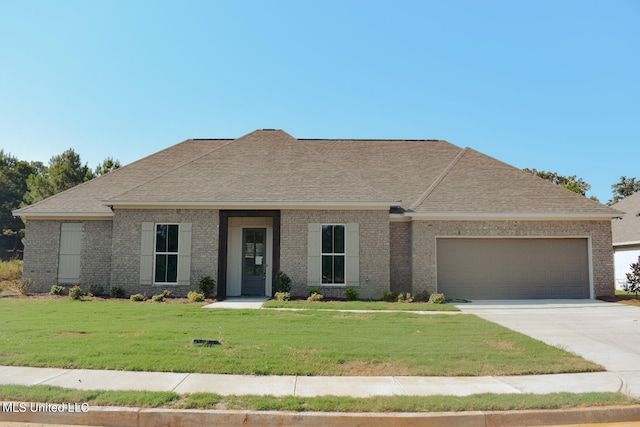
57,290
137,297
633,278
388,296
282,296
11,270
167,293
117,292
405,297
76,293
437,299
158,298
283,282
315,296
195,296
351,294
95,291
23,285
422,296
206,286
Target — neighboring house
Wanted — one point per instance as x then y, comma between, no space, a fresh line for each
376,215
626,237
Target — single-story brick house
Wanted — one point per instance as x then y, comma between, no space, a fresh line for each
626,237
376,215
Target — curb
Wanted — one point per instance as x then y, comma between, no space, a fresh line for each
141,417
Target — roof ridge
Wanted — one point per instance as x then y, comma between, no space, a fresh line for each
439,179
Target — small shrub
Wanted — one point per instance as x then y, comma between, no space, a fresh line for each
388,296
167,293
95,291
206,286
76,293
633,278
117,292
314,291
405,297
436,299
283,282
282,296
422,296
316,296
57,290
158,298
195,296
23,285
351,294
137,297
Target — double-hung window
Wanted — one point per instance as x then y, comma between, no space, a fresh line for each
166,254
333,254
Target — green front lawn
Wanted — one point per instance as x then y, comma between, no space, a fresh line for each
124,335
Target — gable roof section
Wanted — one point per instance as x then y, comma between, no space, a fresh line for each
263,168
270,168
476,185
86,199
626,231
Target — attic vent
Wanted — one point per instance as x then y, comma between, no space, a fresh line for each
270,129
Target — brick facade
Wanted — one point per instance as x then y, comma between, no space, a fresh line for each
424,233
374,249
397,256
127,229
400,256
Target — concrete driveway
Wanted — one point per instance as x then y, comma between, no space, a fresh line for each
605,333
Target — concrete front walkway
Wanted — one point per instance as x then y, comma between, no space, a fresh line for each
602,332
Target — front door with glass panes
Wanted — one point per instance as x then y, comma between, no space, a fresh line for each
254,269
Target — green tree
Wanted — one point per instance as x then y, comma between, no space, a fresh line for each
107,166
64,171
624,188
577,185
13,186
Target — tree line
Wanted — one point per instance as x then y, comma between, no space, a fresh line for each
23,183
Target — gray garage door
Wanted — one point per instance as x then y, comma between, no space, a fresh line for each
513,268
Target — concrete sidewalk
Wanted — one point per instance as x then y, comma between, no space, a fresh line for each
84,379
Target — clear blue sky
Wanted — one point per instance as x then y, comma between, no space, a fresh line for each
546,84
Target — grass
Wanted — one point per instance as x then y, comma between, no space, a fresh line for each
625,297
10,270
360,305
123,335
479,402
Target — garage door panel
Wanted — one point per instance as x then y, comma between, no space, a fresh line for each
512,268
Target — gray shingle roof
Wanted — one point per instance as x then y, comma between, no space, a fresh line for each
627,229
270,167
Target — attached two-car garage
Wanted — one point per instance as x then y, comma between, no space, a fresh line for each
513,268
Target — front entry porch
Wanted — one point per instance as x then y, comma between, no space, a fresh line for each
249,252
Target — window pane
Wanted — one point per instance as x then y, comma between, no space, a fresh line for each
338,269
327,269
338,239
172,238
161,269
172,268
327,239
249,265
161,238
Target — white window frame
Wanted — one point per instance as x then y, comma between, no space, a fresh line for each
155,253
342,254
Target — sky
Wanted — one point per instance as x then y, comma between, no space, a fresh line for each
546,84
